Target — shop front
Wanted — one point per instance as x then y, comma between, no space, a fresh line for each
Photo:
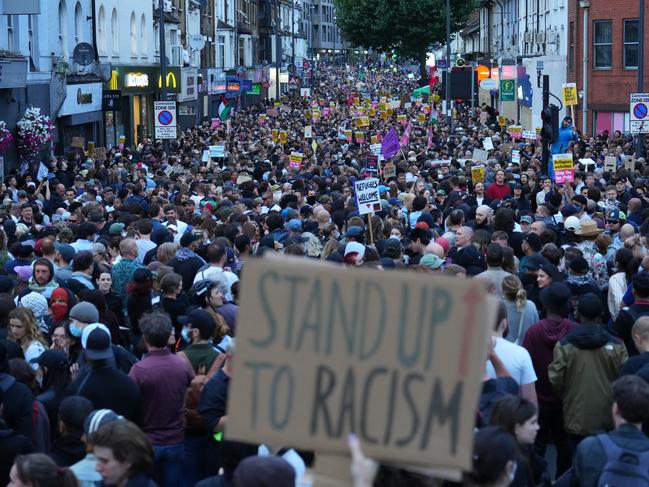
80,116
188,109
217,86
140,87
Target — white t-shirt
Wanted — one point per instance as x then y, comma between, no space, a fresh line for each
214,273
516,359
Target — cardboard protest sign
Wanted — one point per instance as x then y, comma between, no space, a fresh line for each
100,154
480,155
323,351
79,142
564,169
389,170
610,163
283,136
308,132
367,195
488,144
477,174
295,160
629,162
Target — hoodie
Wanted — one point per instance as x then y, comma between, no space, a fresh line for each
539,341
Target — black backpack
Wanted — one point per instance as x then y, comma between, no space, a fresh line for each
623,468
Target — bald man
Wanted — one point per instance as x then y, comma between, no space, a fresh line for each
464,253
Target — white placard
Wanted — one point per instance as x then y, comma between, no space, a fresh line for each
367,196
488,144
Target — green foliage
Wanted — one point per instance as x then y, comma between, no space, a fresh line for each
406,26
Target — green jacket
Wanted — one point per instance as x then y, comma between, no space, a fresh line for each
585,363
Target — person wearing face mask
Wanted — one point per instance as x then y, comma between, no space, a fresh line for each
59,305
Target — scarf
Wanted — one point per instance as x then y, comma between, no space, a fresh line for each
184,253
41,288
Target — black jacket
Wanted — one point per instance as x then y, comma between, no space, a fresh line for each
12,444
68,449
625,320
187,268
108,388
17,404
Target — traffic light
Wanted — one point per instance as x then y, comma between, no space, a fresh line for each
550,117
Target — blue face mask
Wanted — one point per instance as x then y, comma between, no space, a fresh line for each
75,331
185,335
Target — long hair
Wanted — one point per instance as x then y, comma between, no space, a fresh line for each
26,316
512,288
39,470
127,443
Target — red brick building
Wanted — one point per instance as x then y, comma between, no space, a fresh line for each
613,55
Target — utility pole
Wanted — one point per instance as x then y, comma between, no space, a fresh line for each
449,118
163,63
278,50
640,140
545,143
293,32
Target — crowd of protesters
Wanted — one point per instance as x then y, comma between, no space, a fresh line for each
119,286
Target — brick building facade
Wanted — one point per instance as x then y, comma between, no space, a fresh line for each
613,55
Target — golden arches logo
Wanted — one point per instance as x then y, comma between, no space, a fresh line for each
112,84
170,81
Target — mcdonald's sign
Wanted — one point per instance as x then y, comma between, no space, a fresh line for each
144,79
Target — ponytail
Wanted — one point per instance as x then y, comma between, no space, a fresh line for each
521,300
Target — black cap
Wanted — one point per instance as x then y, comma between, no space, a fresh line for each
198,318
142,274
98,344
52,359
555,296
535,261
187,239
579,265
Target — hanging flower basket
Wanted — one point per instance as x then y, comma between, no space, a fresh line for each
34,131
5,137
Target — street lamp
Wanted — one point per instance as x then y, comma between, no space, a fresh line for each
585,5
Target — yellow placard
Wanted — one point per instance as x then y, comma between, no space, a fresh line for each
274,135
360,137
277,104
307,114
402,118
365,122
384,115
348,134
371,112
477,174
283,137
374,139
569,91
502,121
382,107
421,118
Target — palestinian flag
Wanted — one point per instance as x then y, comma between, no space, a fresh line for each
224,109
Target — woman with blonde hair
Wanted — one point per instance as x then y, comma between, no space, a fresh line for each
166,252
521,312
24,330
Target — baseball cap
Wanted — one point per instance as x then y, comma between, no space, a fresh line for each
572,223
198,318
351,247
52,359
616,215
294,225
527,219
431,261
95,339
188,238
534,262
116,228
142,274
354,232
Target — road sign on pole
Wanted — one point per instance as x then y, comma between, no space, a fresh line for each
639,113
165,119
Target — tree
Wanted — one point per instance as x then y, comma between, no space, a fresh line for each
405,26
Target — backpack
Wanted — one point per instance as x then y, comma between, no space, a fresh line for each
623,468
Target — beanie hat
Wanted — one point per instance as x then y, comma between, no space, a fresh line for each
84,312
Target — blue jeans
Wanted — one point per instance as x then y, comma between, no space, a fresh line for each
194,456
169,461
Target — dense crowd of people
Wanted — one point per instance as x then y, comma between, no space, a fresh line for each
119,286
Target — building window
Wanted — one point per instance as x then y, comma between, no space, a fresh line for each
603,43
571,46
221,52
102,30
63,29
631,40
133,35
78,23
143,35
114,31
10,33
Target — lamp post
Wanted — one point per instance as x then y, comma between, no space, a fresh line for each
585,5
163,64
449,119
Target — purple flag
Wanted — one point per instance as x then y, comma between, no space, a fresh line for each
390,145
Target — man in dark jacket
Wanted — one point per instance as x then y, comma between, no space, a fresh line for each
186,262
104,385
585,363
630,410
629,314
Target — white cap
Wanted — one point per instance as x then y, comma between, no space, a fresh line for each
572,223
86,331
355,247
